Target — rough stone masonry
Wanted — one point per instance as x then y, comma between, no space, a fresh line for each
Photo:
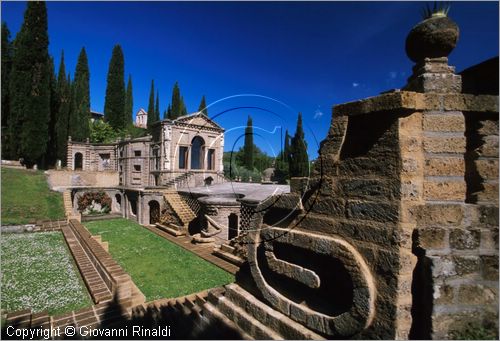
397,231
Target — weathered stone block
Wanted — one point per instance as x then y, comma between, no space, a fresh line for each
445,166
411,190
439,214
465,265
489,147
442,267
330,206
443,294
489,241
411,166
489,192
477,294
488,127
487,215
409,143
444,144
444,190
431,238
487,169
362,188
451,122
461,239
376,211
489,267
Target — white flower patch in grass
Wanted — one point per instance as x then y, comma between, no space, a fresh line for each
38,273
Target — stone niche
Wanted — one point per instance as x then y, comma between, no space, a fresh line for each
396,232
220,216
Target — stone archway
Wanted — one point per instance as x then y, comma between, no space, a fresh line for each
154,212
197,151
78,163
118,202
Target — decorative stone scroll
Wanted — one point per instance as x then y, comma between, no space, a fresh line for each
350,322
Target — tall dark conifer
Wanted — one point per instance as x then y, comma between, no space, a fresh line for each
203,106
286,148
6,68
157,106
248,152
51,154
129,102
151,105
299,160
80,112
114,105
168,113
62,121
29,87
176,105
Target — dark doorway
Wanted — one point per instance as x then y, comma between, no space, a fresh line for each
78,161
118,198
154,212
233,226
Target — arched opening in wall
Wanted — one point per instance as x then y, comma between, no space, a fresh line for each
154,212
78,163
133,207
197,149
233,226
336,291
118,200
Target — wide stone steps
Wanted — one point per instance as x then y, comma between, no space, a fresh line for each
246,310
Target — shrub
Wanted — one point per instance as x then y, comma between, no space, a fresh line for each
88,198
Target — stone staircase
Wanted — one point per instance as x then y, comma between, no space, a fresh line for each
227,252
238,308
179,181
181,208
68,207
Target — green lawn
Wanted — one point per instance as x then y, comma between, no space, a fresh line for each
158,267
26,197
38,273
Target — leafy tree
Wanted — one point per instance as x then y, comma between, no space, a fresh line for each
248,148
203,106
6,68
80,110
151,106
129,102
299,160
102,132
29,87
62,121
114,105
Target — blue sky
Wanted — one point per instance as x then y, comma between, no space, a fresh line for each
295,56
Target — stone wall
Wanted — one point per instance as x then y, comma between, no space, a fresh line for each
59,180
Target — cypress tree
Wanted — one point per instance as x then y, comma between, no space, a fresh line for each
176,102
286,149
299,160
62,121
203,106
129,102
248,152
29,87
51,153
151,105
168,113
80,113
157,107
114,105
6,68
183,107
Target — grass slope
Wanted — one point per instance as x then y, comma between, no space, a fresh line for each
158,267
38,273
26,197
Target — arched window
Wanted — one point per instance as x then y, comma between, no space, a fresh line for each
197,150
78,161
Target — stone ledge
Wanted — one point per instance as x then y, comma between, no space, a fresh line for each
407,101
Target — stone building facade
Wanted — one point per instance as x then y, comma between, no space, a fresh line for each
187,151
